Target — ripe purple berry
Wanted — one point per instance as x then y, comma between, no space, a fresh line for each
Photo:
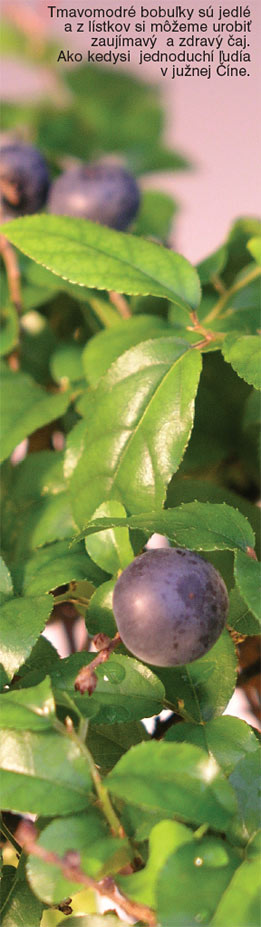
170,606
102,192
24,180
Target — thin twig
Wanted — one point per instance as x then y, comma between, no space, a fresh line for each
120,304
13,273
86,681
69,865
10,837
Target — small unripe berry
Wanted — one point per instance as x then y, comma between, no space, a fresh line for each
24,180
170,606
102,192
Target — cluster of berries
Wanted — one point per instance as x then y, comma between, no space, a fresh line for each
101,191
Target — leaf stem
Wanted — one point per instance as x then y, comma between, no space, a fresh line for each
100,788
12,271
240,285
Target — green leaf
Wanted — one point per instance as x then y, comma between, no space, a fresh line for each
89,254
85,834
244,355
6,584
237,244
165,837
42,657
22,620
192,882
203,490
111,550
139,422
155,215
100,615
108,742
239,616
19,907
245,780
212,265
43,771
240,903
9,329
199,691
254,246
227,739
37,508
66,364
248,576
106,346
195,525
126,690
54,566
26,408
31,709
176,780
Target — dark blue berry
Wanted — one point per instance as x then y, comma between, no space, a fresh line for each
102,192
170,606
24,180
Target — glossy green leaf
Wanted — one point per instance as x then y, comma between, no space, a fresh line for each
42,657
108,742
126,691
22,620
19,906
111,550
94,256
31,709
6,584
55,565
199,690
139,422
245,780
239,616
26,408
254,246
192,882
244,354
188,490
177,780
100,615
85,834
43,771
240,903
165,837
196,525
227,739
106,346
248,580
